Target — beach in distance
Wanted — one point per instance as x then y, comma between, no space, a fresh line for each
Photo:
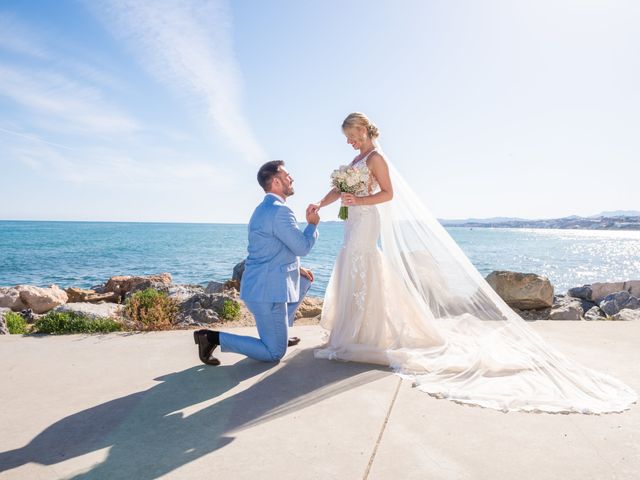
84,254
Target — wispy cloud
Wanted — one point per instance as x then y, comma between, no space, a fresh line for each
169,170
80,107
187,45
15,38
68,119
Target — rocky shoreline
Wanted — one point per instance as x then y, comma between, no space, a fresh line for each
531,296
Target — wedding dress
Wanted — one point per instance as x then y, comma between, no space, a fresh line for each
403,294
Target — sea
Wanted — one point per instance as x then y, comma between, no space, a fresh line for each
85,254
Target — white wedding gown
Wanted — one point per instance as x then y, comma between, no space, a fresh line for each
414,302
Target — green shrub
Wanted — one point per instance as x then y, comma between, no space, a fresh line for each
151,310
230,310
69,322
15,323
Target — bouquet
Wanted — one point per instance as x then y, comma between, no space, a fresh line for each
348,179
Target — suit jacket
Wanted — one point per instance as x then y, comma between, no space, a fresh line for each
272,268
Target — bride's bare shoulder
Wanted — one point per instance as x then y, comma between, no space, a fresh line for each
376,159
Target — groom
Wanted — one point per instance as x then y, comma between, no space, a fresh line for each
273,283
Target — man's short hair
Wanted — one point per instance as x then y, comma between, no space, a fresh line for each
267,172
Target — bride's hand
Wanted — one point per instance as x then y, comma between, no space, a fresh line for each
313,207
349,199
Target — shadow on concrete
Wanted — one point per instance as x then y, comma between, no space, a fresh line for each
149,436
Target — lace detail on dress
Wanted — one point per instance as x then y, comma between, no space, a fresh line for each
373,186
358,277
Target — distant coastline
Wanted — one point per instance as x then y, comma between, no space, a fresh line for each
605,221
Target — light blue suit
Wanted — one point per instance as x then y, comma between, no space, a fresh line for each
271,286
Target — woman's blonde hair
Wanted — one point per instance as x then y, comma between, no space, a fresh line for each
358,119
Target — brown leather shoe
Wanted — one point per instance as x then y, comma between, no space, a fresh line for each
293,341
205,347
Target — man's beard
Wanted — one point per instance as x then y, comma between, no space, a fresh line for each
289,192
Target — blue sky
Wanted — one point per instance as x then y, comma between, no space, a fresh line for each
163,110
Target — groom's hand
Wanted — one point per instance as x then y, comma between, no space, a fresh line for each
306,273
313,207
313,217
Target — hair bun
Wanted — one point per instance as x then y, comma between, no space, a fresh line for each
359,119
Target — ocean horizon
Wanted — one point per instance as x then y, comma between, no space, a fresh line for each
86,253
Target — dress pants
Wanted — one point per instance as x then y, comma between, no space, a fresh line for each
273,321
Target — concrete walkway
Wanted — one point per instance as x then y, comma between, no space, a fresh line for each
141,406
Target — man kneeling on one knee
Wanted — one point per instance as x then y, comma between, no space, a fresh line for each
273,283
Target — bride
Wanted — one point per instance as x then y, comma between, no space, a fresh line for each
403,294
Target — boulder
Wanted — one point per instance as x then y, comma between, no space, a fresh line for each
181,293
583,292
10,298
93,310
522,290
219,287
309,307
633,303
238,271
601,290
596,292
614,302
214,287
203,308
122,285
594,313
566,308
41,300
539,314
4,330
633,287
627,314
79,295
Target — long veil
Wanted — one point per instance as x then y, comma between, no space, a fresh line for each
486,354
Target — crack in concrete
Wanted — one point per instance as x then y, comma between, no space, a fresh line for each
382,429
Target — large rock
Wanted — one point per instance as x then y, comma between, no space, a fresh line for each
583,292
627,314
122,285
219,287
93,310
614,302
566,308
10,298
181,293
594,313
41,300
596,292
4,330
214,287
601,290
538,314
238,271
203,308
633,287
310,307
522,290
79,295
